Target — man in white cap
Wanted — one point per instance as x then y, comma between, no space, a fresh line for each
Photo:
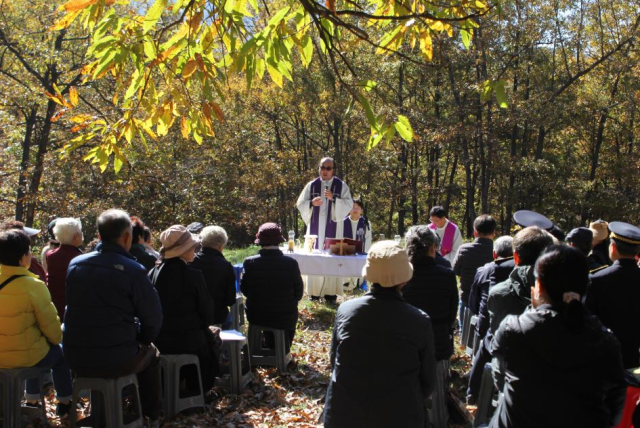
382,351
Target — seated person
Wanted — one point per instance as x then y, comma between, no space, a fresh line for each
218,273
35,267
272,285
29,323
113,314
138,250
186,305
559,366
382,357
432,288
68,232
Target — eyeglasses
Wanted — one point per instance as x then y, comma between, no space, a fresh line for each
326,168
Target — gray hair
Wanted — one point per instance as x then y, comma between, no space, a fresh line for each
327,159
213,237
66,229
419,239
112,224
503,247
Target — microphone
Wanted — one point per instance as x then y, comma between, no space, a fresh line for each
326,186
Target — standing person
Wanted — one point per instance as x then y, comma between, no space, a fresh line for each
148,244
432,288
218,273
472,256
114,313
186,306
600,251
615,291
29,325
356,225
559,366
52,244
381,376
272,285
138,249
323,203
68,232
581,238
449,233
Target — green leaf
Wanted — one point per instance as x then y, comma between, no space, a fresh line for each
136,82
371,117
153,15
276,76
466,36
307,50
501,94
374,139
278,17
368,85
404,128
117,164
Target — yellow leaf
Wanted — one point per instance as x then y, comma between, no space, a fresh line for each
76,5
73,96
81,118
426,44
65,21
189,68
54,98
184,128
218,112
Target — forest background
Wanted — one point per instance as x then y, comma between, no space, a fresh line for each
520,105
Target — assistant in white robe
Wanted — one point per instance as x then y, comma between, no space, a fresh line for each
457,241
340,207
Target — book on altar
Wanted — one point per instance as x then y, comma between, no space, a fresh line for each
343,246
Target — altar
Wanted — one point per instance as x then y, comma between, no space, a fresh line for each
321,264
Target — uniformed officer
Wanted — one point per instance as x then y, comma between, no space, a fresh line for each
526,218
614,292
581,238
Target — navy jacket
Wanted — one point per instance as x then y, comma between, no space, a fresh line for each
273,286
469,258
221,281
433,289
555,376
111,306
486,277
145,259
613,296
383,364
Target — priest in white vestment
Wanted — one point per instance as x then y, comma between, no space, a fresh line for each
323,204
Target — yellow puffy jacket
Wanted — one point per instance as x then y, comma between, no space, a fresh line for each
28,319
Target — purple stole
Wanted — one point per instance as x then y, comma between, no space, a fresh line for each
317,189
347,228
447,240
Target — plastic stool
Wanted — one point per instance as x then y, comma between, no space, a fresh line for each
172,404
12,386
439,414
239,369
237,313
264,356
471,335
112,391
485,397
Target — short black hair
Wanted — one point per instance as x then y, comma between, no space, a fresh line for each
438,211
138,228
359,202
557,233
484,224
625,249
529,243
147,234
112,224
14,244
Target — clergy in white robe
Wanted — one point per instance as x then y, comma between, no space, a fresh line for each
357,227
323,204
447,231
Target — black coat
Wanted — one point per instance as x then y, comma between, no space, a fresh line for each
273,286
469,258
221,281
510,297
555,377
600,253
433,289
187,307
111,306
613,296
145,259
487,276
383,363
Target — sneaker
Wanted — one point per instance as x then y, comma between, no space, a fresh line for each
63,409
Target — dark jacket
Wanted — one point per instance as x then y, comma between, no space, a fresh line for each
510,297
58,261
600,253
442,261
470,257
111,306
556,377
145,259
273,286
186,305
487,276
221,281
433,289
613,297
383,363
